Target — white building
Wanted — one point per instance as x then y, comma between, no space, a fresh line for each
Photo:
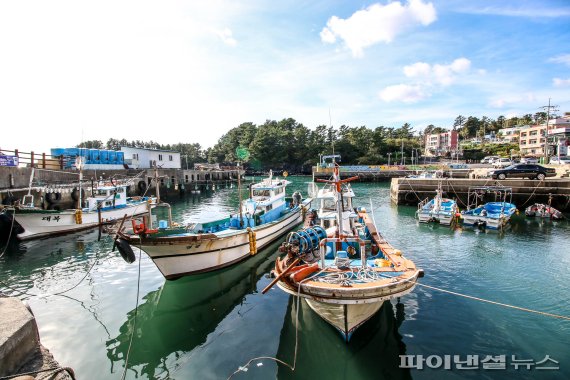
143,158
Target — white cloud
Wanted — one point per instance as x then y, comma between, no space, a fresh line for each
377,23
559,82
438,74
533,11
226,36
565,59
402,92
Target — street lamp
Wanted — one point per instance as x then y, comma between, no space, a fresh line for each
389,154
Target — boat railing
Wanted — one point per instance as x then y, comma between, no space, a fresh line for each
341,249
422,204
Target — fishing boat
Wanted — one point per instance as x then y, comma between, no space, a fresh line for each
107,204
438,209
541,210
210,245
491,215
341,265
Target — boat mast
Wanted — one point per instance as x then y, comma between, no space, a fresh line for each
156,183
239,195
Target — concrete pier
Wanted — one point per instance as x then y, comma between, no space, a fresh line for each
410,191
20,347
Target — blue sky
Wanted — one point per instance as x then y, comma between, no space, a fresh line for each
180,71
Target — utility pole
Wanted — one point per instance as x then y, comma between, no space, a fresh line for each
548,108
402,151
389,154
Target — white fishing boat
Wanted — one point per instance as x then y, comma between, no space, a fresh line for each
106,205
439,209
490,215
341,265
210,245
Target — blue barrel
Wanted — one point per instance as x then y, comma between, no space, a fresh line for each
56,152
112,157
71,151
120,157
104,156
94,156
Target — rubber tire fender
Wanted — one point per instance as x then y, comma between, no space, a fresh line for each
126,251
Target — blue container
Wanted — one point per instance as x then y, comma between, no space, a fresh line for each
162,224
71,151
94,156
121,157
104,156
56,152
112,157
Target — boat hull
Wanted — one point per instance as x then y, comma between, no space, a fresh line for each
42,223
488,223
195,253
345,318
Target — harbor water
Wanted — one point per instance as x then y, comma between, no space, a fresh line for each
208,326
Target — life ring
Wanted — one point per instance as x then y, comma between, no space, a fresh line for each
126,251
142,187
75,194
138,228
53,197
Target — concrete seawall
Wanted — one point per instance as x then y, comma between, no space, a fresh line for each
410,191
20,347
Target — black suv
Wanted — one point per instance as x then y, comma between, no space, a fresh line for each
531,171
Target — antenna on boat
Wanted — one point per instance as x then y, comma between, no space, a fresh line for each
330,127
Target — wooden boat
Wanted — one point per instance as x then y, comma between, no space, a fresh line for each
342,266
439,209
490,215
106,205
540,210
210,245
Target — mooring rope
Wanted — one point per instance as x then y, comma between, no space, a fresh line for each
136,312
495,302
534,191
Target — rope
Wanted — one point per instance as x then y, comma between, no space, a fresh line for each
291,367
136,312
54,369
412,188
496,303
534,191
53,294
9,236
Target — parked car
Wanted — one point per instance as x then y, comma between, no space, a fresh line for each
502,163
529,160
560,161
531,171
489,159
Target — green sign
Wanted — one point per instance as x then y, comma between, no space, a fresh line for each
242,153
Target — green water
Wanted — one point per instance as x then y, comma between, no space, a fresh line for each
208,326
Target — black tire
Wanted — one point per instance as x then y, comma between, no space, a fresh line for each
75,194
125,250
55,207
52,198
142,187
540,176
502,176
9,200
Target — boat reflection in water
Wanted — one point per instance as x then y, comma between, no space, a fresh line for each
177,318
373,352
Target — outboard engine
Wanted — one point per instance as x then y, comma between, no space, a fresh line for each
297,198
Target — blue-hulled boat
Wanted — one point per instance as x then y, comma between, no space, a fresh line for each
439,209
490,215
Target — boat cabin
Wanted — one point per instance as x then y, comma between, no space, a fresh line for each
108,197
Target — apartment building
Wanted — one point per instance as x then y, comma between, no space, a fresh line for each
439,144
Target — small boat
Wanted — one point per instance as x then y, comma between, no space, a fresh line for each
490,215
108,204
214,244
541,210
341,265
438,209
